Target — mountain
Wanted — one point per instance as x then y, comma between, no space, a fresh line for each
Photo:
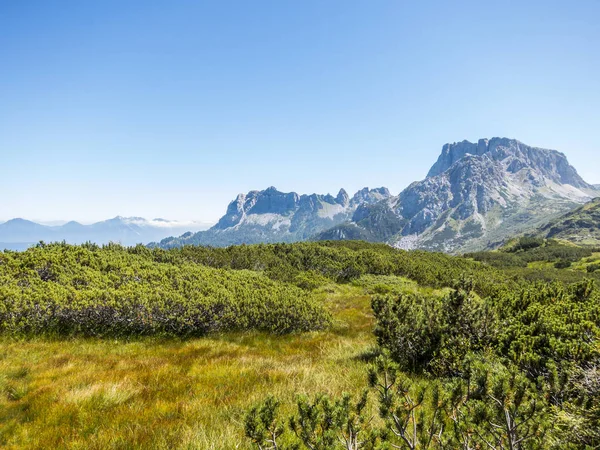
21,231
274,216
580,226
475,195
18,234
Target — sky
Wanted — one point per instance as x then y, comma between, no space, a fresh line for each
171,108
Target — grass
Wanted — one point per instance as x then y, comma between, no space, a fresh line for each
174,394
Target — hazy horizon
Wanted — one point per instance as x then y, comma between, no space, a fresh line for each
154,110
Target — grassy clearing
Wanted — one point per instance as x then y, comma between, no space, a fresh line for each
181,394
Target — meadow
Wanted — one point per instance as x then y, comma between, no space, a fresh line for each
169,393
68,381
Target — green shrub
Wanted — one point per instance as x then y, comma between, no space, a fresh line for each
592,268
426,333
492,404
63,289
527,243
562,264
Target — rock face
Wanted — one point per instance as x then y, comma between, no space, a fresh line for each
474,196
514,157
274,216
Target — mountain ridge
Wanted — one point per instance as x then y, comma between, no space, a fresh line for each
273,216
19,233
474,196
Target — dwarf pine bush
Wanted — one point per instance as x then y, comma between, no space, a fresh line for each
62,289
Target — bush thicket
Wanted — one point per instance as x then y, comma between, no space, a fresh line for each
63,289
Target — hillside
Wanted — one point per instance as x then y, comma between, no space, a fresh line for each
474,195
580,226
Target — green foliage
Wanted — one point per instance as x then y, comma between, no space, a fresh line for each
495,406
412,416
526,243
426,333
339,261
549,261
65,290
528,250
549,323
319,424
592,268
491,407
531,327
409,327
580,226
498,259
261,425
191,291
500,359
562,264
544,337
325,424
552,253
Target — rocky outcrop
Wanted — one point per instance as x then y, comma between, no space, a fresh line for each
474,195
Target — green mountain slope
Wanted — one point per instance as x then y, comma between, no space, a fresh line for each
580,226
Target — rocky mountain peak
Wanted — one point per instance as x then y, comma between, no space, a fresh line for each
274,216
452,153
511,156
366,195
475,194
342,198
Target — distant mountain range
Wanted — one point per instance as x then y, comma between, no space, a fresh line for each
18,234
475,196
274,216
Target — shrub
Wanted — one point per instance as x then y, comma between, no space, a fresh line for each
432,334
493,407
593,268
527,243
62,289
562,264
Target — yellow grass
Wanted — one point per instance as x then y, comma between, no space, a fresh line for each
172,394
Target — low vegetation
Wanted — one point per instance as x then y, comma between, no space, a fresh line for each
517,370
86,290
580,226
543,255
311,345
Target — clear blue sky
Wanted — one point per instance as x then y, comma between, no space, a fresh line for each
170,108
